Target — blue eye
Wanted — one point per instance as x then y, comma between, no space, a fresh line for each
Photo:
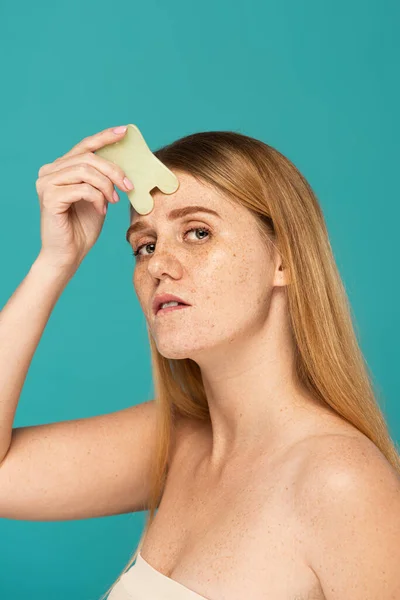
136,254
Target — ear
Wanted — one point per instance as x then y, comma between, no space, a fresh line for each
281,276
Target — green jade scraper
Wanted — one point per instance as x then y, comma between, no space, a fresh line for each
144,169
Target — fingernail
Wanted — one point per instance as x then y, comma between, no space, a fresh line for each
120,129
128,183
115,196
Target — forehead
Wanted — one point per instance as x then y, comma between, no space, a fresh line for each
191,191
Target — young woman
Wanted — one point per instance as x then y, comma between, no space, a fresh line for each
264,459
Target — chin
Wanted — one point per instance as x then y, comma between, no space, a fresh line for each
174,351
178,349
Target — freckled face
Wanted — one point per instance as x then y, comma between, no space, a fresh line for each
225,275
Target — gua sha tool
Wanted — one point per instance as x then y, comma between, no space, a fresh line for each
145,170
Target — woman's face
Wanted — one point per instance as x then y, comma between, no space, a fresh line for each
222,270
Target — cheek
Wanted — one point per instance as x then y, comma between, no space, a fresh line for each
219,278
240,265
216,265
138,286
236,278
135,282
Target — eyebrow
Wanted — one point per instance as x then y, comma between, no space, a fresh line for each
176,213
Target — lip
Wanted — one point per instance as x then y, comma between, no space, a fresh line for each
162,311
161,298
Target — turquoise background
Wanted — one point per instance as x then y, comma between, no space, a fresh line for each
317,80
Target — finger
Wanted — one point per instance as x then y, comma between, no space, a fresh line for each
83,173
62,197
108,168
96,141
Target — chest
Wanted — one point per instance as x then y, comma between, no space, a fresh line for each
235,536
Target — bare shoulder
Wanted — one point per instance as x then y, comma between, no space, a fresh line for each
344,459
348,510
341,472
347,505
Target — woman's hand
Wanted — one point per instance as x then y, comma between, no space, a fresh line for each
74,192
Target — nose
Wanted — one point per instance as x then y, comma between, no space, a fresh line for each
164,262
